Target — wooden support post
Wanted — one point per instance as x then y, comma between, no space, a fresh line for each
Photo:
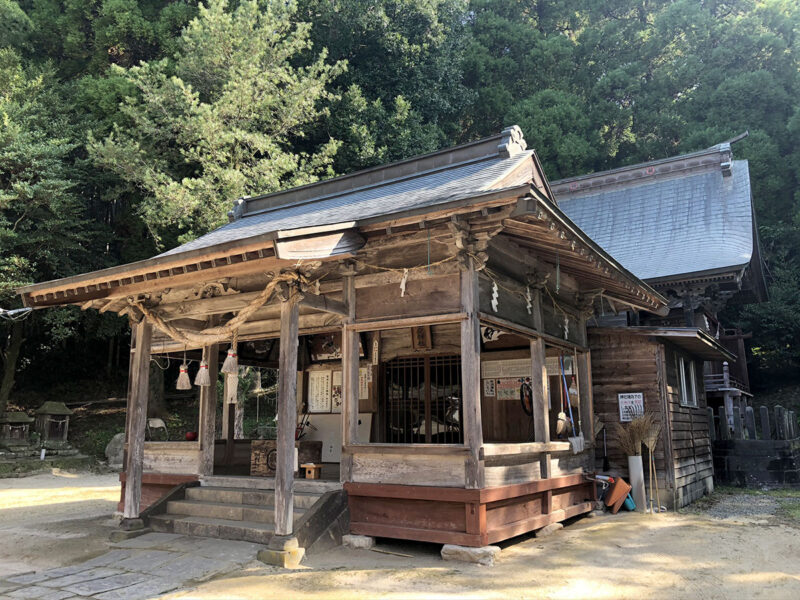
584,371
208,411
137,422
349,377
540,386
541,413
712,427
287,416
471,376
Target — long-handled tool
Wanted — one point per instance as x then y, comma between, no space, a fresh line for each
576,441
606,464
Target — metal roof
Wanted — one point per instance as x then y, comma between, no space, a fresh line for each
692,219
418,190
693,340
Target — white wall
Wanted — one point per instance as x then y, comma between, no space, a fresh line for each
329,432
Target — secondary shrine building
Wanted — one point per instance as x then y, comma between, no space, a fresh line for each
428,317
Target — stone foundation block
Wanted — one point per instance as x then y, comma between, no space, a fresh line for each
283,551
359,542
485,555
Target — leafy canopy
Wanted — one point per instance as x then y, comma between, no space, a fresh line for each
217,120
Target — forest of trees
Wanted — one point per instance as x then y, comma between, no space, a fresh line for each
129,126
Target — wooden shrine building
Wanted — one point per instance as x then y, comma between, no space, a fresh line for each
686,225
434,310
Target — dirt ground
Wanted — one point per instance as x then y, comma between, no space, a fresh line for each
632,556
733,546
55,519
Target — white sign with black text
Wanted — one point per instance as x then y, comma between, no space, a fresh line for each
631,405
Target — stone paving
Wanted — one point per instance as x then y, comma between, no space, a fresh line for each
136,569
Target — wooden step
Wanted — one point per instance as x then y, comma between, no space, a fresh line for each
225,510
246,496
248,531
316,486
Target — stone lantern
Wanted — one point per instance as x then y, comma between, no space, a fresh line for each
52,423
15,431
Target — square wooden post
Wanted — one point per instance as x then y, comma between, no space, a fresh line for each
208,411
287,415
137,424
584,371
471,376
540,387
349,378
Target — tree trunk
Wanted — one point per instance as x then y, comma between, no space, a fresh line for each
156,406
10,356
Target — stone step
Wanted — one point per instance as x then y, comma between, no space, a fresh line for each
223,510
246,496
248,531
316,486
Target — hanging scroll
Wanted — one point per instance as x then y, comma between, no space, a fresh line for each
319,391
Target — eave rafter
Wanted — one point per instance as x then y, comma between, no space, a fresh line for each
565,247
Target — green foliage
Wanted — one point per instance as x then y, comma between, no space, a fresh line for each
216,121
190,107
43,232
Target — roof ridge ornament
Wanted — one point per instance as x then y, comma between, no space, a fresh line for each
512,142
237,212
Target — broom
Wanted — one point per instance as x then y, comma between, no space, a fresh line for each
650,440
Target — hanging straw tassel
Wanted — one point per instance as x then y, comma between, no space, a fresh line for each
183,379
231,364
183,382
203,379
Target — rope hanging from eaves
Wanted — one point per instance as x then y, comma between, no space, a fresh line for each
221,333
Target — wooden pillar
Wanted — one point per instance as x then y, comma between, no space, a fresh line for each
137,420
349,378
540,386
584,371
208,411
541,413
471,376
287,415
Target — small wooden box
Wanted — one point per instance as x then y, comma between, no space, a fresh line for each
312,471
263,454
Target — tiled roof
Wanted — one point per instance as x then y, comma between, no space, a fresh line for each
688,221
414,191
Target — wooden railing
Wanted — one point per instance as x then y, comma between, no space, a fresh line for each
719,381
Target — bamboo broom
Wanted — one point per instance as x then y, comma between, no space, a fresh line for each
650,440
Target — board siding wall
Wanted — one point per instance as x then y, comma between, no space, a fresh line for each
623,364
693,462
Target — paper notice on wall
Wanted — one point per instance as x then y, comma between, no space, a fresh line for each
363,384
553,365
508,388
319,391
631,405
336,392
488,388
497,369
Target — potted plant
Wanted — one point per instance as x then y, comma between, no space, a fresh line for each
630,438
